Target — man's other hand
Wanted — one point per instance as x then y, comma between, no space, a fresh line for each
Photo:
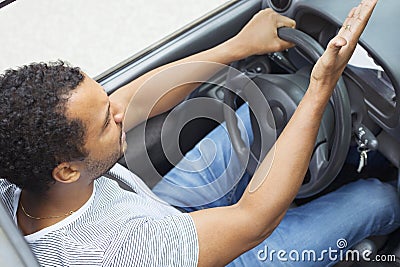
260,35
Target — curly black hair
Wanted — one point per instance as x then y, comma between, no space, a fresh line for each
35,134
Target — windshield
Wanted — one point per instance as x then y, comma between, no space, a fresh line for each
92,34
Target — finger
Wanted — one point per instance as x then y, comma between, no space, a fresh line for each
283,21
284,45
360,20
331,54
346,22
349,19
356,11
355,23
365,12
334,46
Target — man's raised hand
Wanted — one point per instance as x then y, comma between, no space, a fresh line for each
339,50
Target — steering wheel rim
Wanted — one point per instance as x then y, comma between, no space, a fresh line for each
327,171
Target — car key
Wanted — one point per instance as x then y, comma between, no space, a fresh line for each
366,142
363,158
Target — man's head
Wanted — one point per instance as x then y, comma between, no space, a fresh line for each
53,126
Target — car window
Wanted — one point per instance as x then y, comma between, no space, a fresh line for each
92,34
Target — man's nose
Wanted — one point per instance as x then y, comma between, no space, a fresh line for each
118,112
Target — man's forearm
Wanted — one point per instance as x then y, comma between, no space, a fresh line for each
156,91
279,177
162,88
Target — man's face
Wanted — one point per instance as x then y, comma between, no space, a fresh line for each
105,140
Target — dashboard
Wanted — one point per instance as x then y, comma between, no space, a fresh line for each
373,75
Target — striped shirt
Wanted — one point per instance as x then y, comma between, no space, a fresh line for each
115,227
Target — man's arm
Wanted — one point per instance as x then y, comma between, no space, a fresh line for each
225,233
259,36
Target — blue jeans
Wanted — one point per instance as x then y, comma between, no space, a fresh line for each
308,235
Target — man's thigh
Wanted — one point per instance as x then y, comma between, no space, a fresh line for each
209,174
321,231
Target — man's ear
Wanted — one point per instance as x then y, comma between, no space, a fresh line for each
66,172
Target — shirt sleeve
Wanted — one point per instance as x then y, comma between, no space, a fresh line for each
171,241
7,191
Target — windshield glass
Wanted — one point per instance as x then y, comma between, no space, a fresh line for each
92,34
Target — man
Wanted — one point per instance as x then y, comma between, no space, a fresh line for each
60,132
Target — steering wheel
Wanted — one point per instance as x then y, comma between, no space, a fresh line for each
283,93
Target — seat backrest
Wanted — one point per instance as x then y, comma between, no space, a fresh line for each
14,251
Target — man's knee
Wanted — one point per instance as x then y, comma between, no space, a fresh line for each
380,199
376,191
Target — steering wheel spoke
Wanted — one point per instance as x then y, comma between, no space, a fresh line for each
319,162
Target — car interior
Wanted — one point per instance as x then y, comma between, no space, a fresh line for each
359,134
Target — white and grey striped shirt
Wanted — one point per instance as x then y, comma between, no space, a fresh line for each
114,228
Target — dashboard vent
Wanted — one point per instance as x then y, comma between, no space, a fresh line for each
279,5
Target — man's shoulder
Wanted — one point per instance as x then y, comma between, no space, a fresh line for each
7,189
7,193
5,184
128,179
